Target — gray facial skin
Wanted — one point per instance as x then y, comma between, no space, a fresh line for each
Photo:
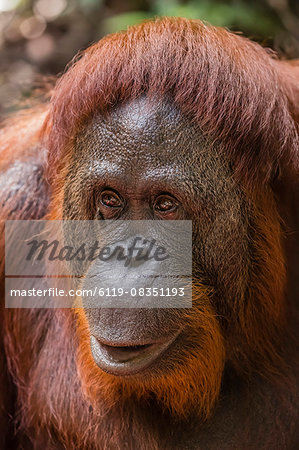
141,151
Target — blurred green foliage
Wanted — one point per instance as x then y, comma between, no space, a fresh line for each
122,21
236,14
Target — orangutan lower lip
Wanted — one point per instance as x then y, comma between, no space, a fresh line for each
125,353
126,359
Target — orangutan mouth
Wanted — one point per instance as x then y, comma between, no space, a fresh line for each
127,358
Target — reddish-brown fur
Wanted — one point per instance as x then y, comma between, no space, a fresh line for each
245,99
204,69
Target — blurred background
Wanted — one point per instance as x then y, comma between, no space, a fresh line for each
39,37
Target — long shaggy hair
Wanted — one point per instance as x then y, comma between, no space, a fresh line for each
205,71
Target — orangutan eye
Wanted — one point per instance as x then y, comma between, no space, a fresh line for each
111,199
165,204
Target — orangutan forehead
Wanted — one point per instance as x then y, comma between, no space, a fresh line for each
147,115
149,127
